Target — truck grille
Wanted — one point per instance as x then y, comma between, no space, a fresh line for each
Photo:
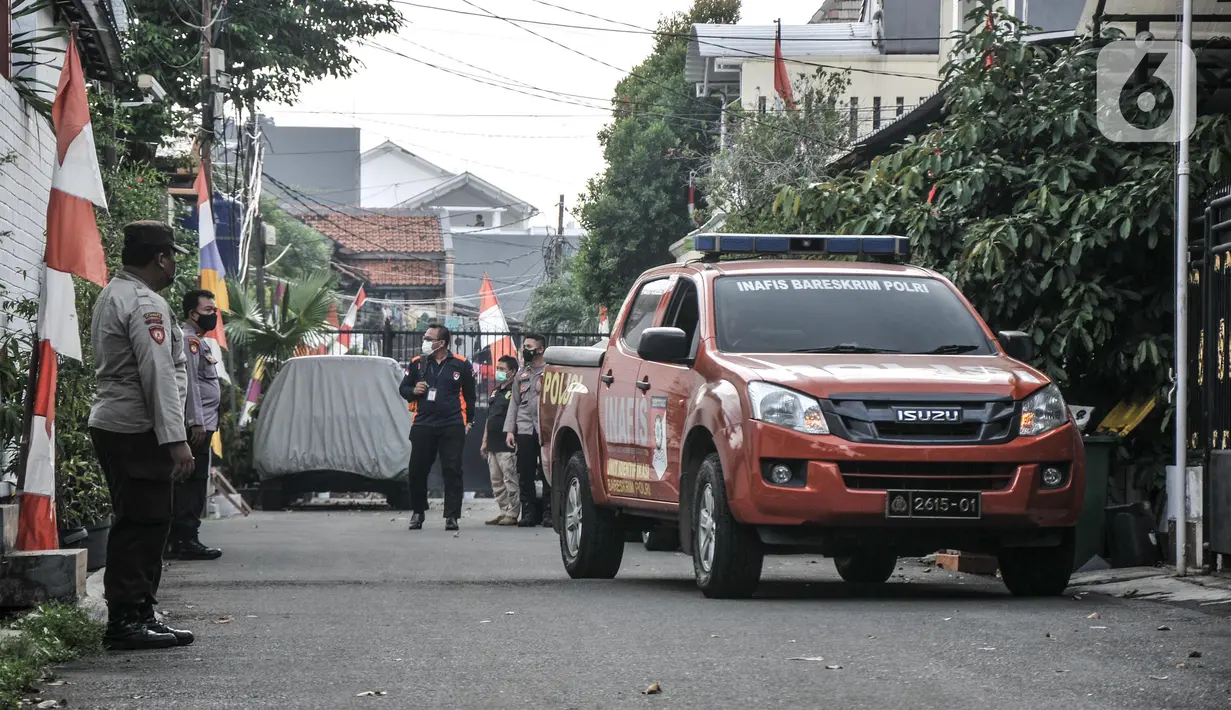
926,476
874,419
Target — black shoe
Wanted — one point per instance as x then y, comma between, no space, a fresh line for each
450,523
132,635
194,550
183,637
547,520
526,522
416,521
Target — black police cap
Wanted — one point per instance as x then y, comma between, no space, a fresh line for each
151,233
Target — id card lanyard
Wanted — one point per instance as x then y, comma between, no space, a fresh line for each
431,384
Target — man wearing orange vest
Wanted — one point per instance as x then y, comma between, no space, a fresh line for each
441,389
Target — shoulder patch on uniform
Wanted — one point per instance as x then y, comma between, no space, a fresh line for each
194,346
152,317
456,375
158,334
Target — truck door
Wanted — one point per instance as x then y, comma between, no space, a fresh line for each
665,387
623,415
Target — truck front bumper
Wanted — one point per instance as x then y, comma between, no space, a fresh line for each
821,497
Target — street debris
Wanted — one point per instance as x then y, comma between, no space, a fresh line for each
372,694
833,668
1049,636
654,689
486,621
1194,654
714,636
55,683
1164,627
1159,677
948,618
1095,615
250,616
48,704
1181,665
1062,670
987,648
1098,628
224,619
509,613
457,534
806,658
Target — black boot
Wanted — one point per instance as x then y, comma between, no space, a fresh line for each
194,550
182,636
416,521
126,631
529,516
546,517
450,523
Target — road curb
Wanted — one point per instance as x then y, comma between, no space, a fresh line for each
93,603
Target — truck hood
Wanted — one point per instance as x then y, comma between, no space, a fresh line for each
826,375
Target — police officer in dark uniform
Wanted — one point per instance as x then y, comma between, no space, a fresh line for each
440,387
202,408
137,425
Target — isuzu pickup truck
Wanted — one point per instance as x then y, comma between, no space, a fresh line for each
852,407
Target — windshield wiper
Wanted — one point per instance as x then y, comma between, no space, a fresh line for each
951,349
846,348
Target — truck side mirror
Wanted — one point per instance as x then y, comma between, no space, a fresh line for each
663,345
1016,344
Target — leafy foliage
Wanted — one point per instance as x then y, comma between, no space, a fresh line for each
558,305
302,251
638,206
296,324
52,633
1045,224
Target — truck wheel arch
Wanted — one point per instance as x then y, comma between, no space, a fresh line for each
565,442
697,445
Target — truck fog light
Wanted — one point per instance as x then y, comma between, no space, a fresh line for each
781,474
1053,477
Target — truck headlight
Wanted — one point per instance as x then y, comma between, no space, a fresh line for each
1043,411
788,408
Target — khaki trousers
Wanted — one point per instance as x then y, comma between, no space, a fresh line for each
503,469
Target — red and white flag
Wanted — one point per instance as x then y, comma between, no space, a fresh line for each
73,248
352,316
782,79
603,326
492,325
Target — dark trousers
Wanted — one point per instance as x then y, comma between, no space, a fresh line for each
426,443
190,495
529,468
138,473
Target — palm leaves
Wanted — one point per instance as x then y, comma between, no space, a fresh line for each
298,323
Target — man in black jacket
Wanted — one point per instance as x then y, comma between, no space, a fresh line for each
440,388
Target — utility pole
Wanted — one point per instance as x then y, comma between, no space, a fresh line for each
1187,106
207,96
258,227
560,222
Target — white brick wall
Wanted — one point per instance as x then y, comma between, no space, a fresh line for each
24,186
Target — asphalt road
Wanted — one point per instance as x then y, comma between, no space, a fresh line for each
310,609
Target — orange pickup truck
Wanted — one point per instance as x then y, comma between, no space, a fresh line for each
859,409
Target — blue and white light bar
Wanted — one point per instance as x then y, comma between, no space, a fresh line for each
802,244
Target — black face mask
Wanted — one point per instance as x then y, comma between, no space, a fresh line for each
207,323
529,354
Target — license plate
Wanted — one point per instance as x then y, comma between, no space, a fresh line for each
947,505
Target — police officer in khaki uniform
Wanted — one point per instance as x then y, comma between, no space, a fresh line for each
201,414
137,425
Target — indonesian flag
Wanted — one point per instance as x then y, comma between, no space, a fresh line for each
782,80
73,247
212,272
352,315
603,326
492,325
254,393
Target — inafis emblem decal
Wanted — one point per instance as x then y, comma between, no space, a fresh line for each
658,408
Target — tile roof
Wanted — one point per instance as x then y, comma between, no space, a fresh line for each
394,272
368,231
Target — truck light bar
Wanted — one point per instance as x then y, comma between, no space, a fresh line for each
832,245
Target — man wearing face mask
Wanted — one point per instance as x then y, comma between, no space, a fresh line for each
201,412
521,426
137,425
440,388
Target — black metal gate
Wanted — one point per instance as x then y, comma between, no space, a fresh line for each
404,345
1209,412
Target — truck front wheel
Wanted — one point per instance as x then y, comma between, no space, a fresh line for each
1038,571
726,556
591,541
867,566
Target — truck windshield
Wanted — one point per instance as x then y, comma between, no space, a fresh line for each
814,313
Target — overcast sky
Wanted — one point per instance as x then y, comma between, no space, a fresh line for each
537,148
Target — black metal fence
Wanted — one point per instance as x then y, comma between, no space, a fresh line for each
1210,361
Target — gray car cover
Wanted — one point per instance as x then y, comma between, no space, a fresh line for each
334,413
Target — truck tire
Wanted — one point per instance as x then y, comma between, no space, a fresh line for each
398,495
661,540
726,555
1038,571
866,566
591,541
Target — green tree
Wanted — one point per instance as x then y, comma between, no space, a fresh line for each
558,304
1045,224
638,206
301,250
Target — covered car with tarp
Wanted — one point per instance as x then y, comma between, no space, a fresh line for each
334,423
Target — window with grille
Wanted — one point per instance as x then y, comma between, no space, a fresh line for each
901,105
876,113
762,104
